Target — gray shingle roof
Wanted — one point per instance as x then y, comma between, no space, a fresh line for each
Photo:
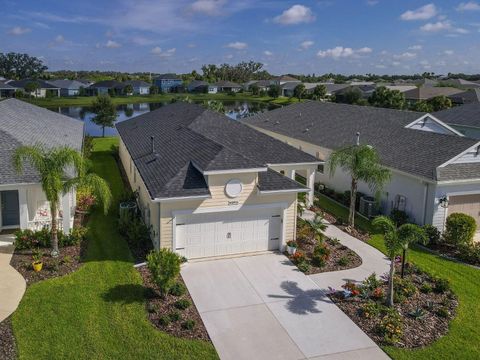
271,180
467,115
459,172
169,76
136,83
428,92
333,126
22,123
107,84
189,139
227,84
67,84
22,83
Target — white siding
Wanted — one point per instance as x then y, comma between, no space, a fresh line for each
428,124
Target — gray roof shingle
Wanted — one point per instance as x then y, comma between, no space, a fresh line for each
461,171
271,180
333,126
467,115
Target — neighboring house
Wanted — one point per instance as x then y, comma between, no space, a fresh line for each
333,89
168,82
365,91
288,88
465,118
139,87
44,88
280,80
85,82
429,92
227,86
197,86
23,202
212,89
68,87
264,85
461,83
471,96
401,88
104,87
209,185
429,160
6,90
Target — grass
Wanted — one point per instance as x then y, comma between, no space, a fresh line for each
119,100
98,312
463,338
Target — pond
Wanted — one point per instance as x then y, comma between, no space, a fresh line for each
233,109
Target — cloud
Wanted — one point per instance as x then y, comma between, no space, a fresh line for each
297,14
415,47
448,52
422,13
111,44
59,39
18,30
306,44
372,2
468,6
142,41
267,53
237,45
208,7
229,56
438,26
343,52
157,50
405,56
380,66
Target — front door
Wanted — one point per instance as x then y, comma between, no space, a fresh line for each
10,208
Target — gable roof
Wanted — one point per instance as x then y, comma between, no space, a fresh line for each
22,123
190,140
224,83
467,115
428,92
136,83
67,84
107,84
332,126
5,86
286,78
22,83
467,97
169,76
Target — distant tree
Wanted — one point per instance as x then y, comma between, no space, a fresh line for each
82,91
440,103
319,92
350,96
128,89
274,91
299,91
254,89
20,66
31,87
386,98
422,106
111,92
214,106
154,89
105,112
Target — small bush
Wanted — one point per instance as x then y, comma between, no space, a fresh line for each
321,253
441,285
164,267
182,304
164,320
417,314
391,326
459,229
304,266
433,234
76,236
188,325
426,288
469,253
29,239
443,312
334,241
298,257
343,261
178,289
371,282
404,288
370,310
175,316
399,217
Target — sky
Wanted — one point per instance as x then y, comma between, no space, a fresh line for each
339,36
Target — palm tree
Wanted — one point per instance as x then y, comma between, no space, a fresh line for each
363,164
318,226
53,166
397,239
411,234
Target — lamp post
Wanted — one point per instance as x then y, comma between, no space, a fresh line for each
444,204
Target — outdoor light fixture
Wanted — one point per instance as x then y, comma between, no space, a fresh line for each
443,201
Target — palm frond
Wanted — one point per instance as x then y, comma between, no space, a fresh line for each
34,154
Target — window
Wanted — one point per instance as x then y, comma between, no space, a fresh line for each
321,168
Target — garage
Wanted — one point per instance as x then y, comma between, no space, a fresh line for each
467,204
228,233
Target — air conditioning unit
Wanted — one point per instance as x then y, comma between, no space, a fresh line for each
367,206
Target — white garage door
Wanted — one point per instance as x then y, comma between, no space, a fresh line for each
236,232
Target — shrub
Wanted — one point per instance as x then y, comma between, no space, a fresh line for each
370,310
178,289
352,287
299,257
76,236
399,217
188,325
164,320
137,232
182,304
417,314
443,312
469,253
371,282
404,288
25,239
433,234
459,229
292,243
304,266
391,327
334,241
85,199
378,293
321,253
175,316
29,239
164,266
426,288
343,261
441,285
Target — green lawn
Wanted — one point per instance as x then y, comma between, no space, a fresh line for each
463,338
87,100
97,312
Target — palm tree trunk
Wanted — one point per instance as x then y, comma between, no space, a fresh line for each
53,211
390,282
103,131
404,255
353,200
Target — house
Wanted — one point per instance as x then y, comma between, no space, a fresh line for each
6,90
168,82
85,82
461,83
139,87
365,91
209,185
428,92
430,161
105,87
280,80
212,89
44,89
465,118
23,202
197,86
227,86
68,87
401,88
470,96
263,85
333,89
288,88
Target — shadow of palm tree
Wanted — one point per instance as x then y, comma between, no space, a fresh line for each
301,302
126,294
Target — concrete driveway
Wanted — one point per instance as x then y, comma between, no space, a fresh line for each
262,307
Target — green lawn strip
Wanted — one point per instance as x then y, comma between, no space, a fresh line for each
119,100
463,338
97,312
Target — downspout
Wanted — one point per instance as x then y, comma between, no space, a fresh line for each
425,198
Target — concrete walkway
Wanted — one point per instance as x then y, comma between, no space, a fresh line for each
373,261
263,307
12,284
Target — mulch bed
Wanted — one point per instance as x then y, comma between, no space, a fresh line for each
417,332
159,308
8,350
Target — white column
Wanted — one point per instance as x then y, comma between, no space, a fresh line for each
291,174
66,212
311,186
23,206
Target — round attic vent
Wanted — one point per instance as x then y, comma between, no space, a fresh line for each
233,188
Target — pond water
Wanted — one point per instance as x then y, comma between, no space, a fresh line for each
233,109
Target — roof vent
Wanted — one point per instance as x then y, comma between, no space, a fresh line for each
277,122
478,151
358,138
152,139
